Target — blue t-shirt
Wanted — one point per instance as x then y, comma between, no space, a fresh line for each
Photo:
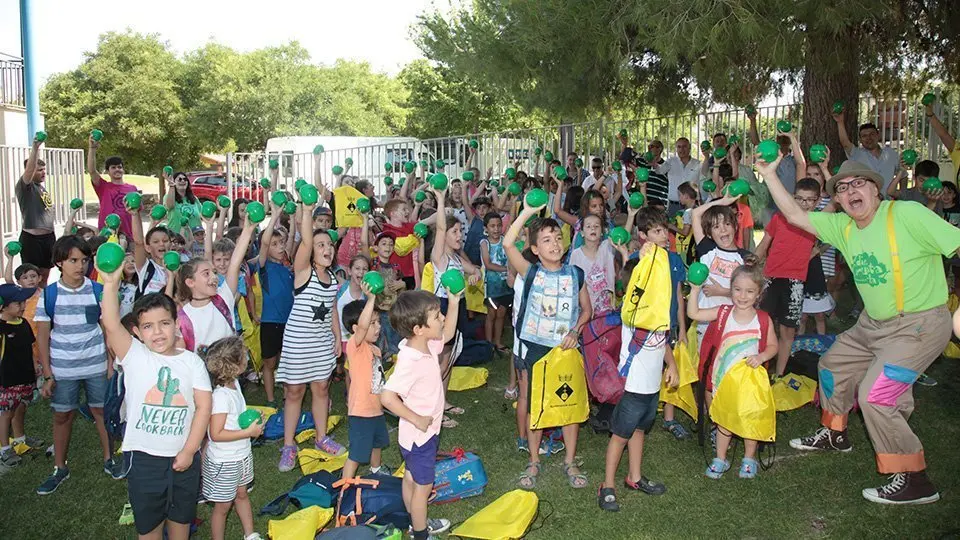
471,244
276,281
678,274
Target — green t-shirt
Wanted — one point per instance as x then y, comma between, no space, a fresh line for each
922,238
173,216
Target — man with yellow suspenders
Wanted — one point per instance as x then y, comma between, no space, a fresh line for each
894,252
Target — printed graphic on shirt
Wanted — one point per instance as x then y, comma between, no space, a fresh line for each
45,197
723,267
868,270
164,411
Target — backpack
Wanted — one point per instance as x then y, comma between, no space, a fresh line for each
50,293
186,325
459,475
528,284
273,430
371,499
362,532
147,278
601,355
309,490
115,423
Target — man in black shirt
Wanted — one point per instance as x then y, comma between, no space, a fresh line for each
36,207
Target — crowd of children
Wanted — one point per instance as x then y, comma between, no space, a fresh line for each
176,331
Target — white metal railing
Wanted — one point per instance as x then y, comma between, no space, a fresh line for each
64,182
901,122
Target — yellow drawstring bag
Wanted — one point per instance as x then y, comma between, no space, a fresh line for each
403,245
508,517
558,392
953,349
401,470
300,525
312,460
345,200
684,354
307,434
646,303
565,236
467,378
743,403
267,412
793,391
426,278
475,297
251,332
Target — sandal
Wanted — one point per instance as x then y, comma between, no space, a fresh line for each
501,349
453,409
529,481
716,468
511,393
448,422
748,468
676,429
574,479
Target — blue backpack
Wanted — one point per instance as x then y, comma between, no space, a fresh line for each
113,420
372,499
274,428
311,490
51,291
459,475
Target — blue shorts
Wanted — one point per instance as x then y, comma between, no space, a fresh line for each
421,461
365,434
634,412
66,394
158,493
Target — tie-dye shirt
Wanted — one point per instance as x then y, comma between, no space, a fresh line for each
739,342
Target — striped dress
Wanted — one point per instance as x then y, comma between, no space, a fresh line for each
307,353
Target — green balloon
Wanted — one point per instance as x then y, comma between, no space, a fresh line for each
274,163
349,162
76,204
768,150
223,201
423,163
439,181
374,281
514,189
363,205
909,156
106,232
289,208
500,189
648,156
705,146
928,98
619,236
337,170
440,164
698,273
109,257
318,149
40,136
208,209
299,184
932,184
784,126
579,163
738,188
617,166
643,174
818,153
420,197
536,198
468,176
636,199
171,260
158,212
14,247
420,230
537,151
623,132
112,221
278,198
308,195
496,184
333,235
248,417
560,172
709,186
453,281
734,139
265,183
838,106
96,134
256,212
719,153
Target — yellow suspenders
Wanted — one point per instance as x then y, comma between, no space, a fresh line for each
894,256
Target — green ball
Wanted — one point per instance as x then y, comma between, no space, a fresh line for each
256,212
388,167
560,172
510,173
617,166
928,98
109,257
932,184
453,281
768,150
112,221
290,208
420,230
158,212
709,186
496,184
348,162
278,198
734,139
248,417
501,189
514,189
643,174
648,156
439,181
265,183
106,232
388,181
579,163
274,163
420,197
909,156
308,194
423,163
738,188
96,134
537,151
14,247
299,184
698,273
363,205
784,126
171,260
623,132
168,170
410,166
548,155
619,236
208,209
184,221
705,146
374,281
719,153
76,204
318,149
536,198
223,201
333,235
474,143
636,199
337,170
838,106
40,136
818,153
186,210
440,164
468,176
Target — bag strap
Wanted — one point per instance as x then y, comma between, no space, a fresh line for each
223,308
894,257
147,278
527,285
50,300
186,329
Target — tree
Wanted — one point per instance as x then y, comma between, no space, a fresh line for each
584,58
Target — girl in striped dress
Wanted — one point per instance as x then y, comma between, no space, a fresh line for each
311,339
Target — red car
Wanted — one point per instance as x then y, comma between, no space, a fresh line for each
208,185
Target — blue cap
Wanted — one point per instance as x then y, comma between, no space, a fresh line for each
10,292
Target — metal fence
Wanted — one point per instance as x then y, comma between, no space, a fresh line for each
64,182
11,82
901,122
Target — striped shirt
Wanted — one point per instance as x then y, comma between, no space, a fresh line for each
658,186
308,340
77,349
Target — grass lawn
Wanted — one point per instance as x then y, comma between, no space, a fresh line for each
802,496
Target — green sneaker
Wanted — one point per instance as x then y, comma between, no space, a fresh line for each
53,481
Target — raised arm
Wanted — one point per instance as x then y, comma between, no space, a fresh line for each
798,154
31,167
170,198
784,199
845,141
207,238
946,138
238,256
268,232
439,243
8,267
95,177
301,261
558,211
514,257
139,246
698,212
450,323
694,311
118,339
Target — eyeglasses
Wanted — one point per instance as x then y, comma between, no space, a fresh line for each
808,200
856,182
597,168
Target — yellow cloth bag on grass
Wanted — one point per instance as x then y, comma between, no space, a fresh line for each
646,303
474,296
743,403
300,525
308,434
312,460
793,391
508,517
467,378
558,394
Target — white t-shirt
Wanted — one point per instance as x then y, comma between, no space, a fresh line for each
209,324
721,263
228,400
642,365
157,282
159,398
342,302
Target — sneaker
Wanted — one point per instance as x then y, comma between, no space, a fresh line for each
607,499
253,536
676,429
716,468
383,470
824,439
114,468
329,446
437,525
904,488
9,458
551,445
926,380
647,486
53,481
511,393
288,458
748,468
32,443
523,445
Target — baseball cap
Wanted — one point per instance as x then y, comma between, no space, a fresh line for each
321,211
196,229
10,292
385,234
853,169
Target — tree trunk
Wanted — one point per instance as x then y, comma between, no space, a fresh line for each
832,73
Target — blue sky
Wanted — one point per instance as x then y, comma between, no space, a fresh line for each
377,31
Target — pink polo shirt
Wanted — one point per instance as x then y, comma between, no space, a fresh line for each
417,381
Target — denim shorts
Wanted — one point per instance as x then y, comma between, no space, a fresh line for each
66,394
634,412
